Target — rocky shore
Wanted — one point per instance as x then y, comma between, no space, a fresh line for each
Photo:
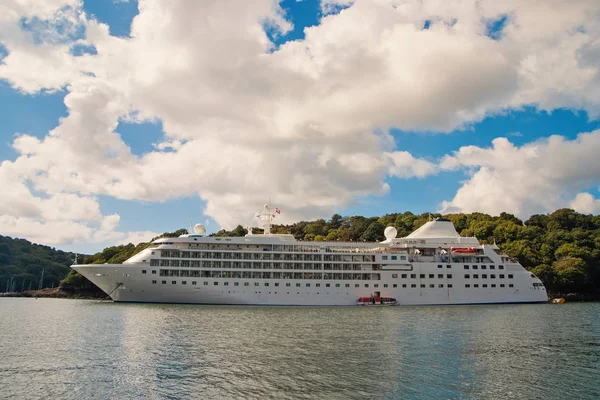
56,293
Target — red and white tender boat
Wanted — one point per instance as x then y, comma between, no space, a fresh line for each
376,301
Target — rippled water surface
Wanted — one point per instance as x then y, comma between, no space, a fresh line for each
51,348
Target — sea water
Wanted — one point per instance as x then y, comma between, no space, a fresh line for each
74,349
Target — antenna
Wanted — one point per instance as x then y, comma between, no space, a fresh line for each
265,217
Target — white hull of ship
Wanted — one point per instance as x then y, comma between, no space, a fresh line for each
126,283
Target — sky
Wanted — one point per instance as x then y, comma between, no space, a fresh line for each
121,120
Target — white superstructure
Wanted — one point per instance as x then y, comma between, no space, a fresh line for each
432,265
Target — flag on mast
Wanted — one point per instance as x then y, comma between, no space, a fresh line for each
277,211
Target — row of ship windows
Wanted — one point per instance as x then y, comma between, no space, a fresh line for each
393,258
300,275
258,265
263,275
337,285
482,267
466,266
449,276
266,256
279,248
269,265
492,276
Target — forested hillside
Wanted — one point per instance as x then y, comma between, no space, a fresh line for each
562,248
22,262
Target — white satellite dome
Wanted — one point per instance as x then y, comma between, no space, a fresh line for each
199,229
390,233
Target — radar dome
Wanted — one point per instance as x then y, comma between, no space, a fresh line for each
199,229
390,232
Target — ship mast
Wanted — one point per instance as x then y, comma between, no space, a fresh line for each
265,217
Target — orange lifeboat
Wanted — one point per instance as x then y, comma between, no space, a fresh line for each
463,250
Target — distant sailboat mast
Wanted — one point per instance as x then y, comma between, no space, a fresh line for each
41,280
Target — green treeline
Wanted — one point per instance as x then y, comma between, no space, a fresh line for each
22,262
562,248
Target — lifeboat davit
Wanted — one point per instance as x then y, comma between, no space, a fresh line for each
376,301
463,250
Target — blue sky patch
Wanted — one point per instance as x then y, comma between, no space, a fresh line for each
27,114
495,27
59,31
519,126
301,14
140,137
3,53
118,15
81,49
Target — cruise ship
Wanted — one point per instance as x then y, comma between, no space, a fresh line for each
432,265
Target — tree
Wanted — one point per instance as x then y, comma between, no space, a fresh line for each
507,231
316,228
332,235
298,229
571,250
538,220
564,218
460,221
239,231
483,230
335,222
546,274
4,249
523,251
511,218
571,273
404,223
309,237
374,233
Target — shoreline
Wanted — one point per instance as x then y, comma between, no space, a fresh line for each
56,293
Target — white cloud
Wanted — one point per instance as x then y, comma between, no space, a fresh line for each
330,6
138,237
537,177
51,232
304,124
404,165
585,203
